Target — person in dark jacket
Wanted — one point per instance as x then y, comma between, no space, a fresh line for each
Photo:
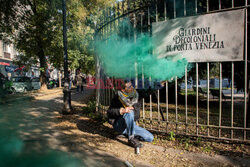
124,111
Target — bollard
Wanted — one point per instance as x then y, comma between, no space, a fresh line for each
128,164
137,150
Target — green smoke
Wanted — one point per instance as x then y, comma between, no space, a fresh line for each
124,58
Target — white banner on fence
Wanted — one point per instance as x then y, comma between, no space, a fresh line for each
204,38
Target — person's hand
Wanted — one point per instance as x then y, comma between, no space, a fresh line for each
126,110
162,83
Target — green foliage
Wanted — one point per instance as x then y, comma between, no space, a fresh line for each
36,30
81,20
35,27
172,136
91,107
207,148
198,141
9,17
5,87
90,110
186,142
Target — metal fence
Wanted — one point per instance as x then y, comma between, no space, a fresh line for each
193,112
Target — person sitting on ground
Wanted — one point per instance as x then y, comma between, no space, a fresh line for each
124,111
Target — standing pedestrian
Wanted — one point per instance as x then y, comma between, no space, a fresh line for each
83,83
79,81
70,79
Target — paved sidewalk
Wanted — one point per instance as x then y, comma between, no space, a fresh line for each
28,96
36,123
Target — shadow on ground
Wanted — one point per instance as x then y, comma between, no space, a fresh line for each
34,124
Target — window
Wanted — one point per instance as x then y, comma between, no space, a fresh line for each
16,79
5,47
36,80
26,79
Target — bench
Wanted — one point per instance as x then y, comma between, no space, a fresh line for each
216,93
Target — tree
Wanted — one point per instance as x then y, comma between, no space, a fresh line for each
35,31
35,27
82,23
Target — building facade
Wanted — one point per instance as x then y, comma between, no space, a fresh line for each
7,55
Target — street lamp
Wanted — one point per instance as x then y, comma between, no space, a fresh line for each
66,91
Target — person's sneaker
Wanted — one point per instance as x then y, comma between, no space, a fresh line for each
121,136
134,143
139,138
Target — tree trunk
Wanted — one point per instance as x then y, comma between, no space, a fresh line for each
60,79
43,68
43,80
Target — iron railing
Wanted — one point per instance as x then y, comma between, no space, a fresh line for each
211,118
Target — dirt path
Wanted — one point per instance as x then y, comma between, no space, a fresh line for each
99,136
40,125
79,129
36,123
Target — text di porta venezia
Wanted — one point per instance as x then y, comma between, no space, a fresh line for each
194,38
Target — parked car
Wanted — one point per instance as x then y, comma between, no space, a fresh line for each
21,84
36,84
